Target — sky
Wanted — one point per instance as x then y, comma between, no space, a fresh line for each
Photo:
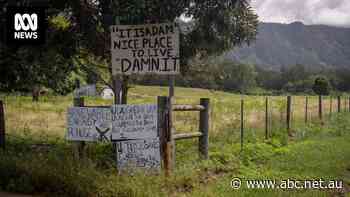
326,12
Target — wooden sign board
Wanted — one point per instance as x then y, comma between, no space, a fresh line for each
88,90
89,124
138,154
134,121
145,49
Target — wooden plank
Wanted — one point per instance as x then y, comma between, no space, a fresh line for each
204,129
2,126
188,108
339,104
181,136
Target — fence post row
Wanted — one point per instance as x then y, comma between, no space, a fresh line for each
2,126
289,111
79,102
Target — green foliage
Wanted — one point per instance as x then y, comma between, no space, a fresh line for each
81,28
321,86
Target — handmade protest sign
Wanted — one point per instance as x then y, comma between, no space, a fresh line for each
89,124
142,49
138,154
88,90
134,121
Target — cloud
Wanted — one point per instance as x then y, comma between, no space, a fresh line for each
327,12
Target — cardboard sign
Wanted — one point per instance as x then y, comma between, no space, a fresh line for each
138,154
88,90
142,49
89,124
134,121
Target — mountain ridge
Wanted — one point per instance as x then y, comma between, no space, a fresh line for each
278,45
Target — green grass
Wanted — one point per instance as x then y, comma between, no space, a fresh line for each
314,151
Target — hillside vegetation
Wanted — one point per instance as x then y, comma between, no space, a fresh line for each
289,44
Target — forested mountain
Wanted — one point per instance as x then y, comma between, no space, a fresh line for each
315,46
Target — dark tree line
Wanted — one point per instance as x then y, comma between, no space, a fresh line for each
78,37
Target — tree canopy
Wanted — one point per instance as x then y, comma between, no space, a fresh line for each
79,30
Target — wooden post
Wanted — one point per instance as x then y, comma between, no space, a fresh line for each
289,114
79,102
2,126
306,109
164,133
267,118
117,84
320,108
349,103
339,104
172,129
242,123
330,105
204,129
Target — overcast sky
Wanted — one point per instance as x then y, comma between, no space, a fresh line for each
327,12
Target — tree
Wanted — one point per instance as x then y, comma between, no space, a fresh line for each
24,68
217,25
321,86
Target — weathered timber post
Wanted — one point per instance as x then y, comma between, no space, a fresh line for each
242,123
204,128
117,85
2,126
306,109
267,118
330,106
79,102
289,114
171,117
339,104
320,108
164,133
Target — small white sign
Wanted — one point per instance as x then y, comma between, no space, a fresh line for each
88,90
134,121
142,49
138,154
89,124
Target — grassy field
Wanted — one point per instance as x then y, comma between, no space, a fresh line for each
316,150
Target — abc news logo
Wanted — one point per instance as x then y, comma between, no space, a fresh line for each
26,25
22,29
